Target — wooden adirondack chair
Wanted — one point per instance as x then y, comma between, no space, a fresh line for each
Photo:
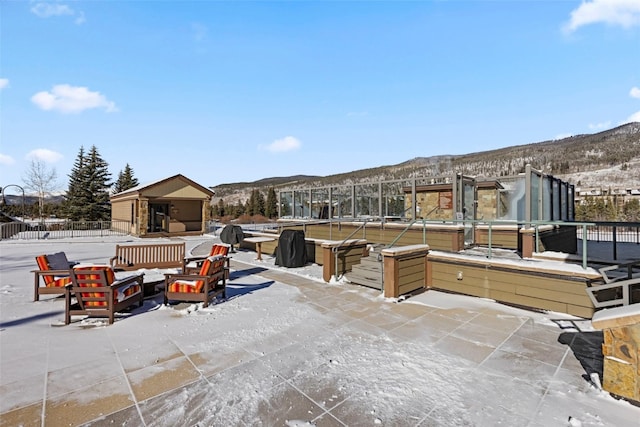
192,265
201,287
98,294
54,271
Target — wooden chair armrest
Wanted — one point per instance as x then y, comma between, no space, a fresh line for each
126,281
169,277
197,259
51,272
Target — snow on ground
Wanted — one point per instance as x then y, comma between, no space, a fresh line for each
287,349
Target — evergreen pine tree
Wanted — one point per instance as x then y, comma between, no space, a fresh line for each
239,210
76,198
88,195
259,207
255,204
271,207
126,180
632,210
98,185
250,208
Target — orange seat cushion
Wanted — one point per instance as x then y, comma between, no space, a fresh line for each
110,279
59,282
219,250
196,286
185,286
50,280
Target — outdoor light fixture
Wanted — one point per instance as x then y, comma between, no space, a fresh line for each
4,199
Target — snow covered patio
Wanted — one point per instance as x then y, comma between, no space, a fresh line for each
287,349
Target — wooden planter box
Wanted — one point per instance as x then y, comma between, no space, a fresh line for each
444,237
404,269
502,236
527,284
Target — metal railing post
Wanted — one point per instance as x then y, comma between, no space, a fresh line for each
424,231
489,234
615,243
584,246
335,270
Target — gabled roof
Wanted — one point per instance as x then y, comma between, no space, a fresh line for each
150,185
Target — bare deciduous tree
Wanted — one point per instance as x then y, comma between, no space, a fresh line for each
40,179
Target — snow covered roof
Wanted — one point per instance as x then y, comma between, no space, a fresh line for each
149,185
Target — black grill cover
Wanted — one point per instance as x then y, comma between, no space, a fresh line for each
291,250
231,234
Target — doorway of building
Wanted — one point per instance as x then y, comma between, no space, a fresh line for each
158,217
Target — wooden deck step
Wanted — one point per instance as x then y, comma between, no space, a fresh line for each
375,284
368,272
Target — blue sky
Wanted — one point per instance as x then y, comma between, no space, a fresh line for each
230,91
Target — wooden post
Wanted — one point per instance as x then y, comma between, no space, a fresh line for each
328,265
457,240
528,242
405,269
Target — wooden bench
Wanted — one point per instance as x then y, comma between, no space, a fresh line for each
135,257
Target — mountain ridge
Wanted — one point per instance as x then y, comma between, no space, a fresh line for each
607,158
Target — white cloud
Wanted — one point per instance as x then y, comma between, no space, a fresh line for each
600,126
4,83
72,99
625,13
45,155
634,92
288,143
6,160
633,118
47,10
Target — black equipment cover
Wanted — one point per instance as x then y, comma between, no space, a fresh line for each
292,251
231,234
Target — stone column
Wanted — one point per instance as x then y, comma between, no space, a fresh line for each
143,217
621,350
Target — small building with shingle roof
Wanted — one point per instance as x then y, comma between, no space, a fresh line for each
173,206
